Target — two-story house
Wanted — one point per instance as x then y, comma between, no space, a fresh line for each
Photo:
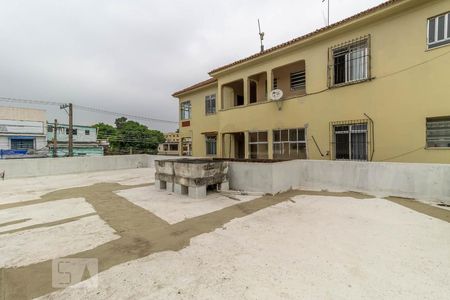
373,87
84,140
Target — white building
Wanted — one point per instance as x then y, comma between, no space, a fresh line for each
22,129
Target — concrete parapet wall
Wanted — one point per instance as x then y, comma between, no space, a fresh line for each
421,181
17,168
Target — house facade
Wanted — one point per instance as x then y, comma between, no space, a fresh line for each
84,140
373,87
170,145
21,130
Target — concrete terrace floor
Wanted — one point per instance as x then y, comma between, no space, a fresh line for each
157,245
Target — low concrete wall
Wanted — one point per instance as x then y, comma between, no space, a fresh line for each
17,168
421,181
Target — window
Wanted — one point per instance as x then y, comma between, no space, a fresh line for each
87,132
74,131
210,104
211,144
186,146
438,132
259,146
22,144
298,80
50,128
185,110
350,62
439,31
289,144
275,83
350,141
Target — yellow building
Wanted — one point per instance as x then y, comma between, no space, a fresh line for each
374,87
170,145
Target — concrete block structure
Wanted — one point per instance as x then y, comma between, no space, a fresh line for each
373,87
191,176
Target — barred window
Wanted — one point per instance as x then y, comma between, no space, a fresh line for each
210,104
185,110
211,144
439,30
275,83
298,80
350,62
289,144
350,141
74,131
438,132
259,146
22,144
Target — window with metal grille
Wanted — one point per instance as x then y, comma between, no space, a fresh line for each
211,144
350,62
22,144
210,104
275,83
74,131
50,128
258,145
350,141
438,132
87,132
298,80
185,110
289,143
438,30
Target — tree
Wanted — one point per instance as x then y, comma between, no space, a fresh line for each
130,134
104,131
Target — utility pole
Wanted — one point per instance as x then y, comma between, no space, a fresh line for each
55,139
70,113
70,130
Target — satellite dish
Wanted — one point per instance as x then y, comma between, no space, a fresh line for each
276,95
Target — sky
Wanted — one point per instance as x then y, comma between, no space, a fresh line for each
130,56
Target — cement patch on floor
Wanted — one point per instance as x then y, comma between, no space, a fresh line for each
174,208
40,244
313,247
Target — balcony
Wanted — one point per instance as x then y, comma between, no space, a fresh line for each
233,94
291,79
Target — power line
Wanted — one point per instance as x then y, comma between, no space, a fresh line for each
84,108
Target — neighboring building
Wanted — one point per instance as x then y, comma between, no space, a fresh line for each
84,140
22,131
171,144
373,87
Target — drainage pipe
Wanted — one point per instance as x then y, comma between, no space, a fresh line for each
373,136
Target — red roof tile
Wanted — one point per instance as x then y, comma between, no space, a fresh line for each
195,86
301,38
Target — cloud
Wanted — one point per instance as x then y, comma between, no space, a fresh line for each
129,56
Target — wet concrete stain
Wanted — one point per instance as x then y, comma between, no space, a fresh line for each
423,208
141,232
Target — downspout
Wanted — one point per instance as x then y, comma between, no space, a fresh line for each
373,136
318,148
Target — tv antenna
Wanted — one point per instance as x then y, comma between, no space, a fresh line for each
328,13
261,36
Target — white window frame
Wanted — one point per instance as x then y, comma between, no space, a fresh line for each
354,73
297,141
185,114
208,140
437,42
258,142
210,109
349,132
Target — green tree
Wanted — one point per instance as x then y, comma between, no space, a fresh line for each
130,134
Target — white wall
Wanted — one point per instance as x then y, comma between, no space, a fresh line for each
421,181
